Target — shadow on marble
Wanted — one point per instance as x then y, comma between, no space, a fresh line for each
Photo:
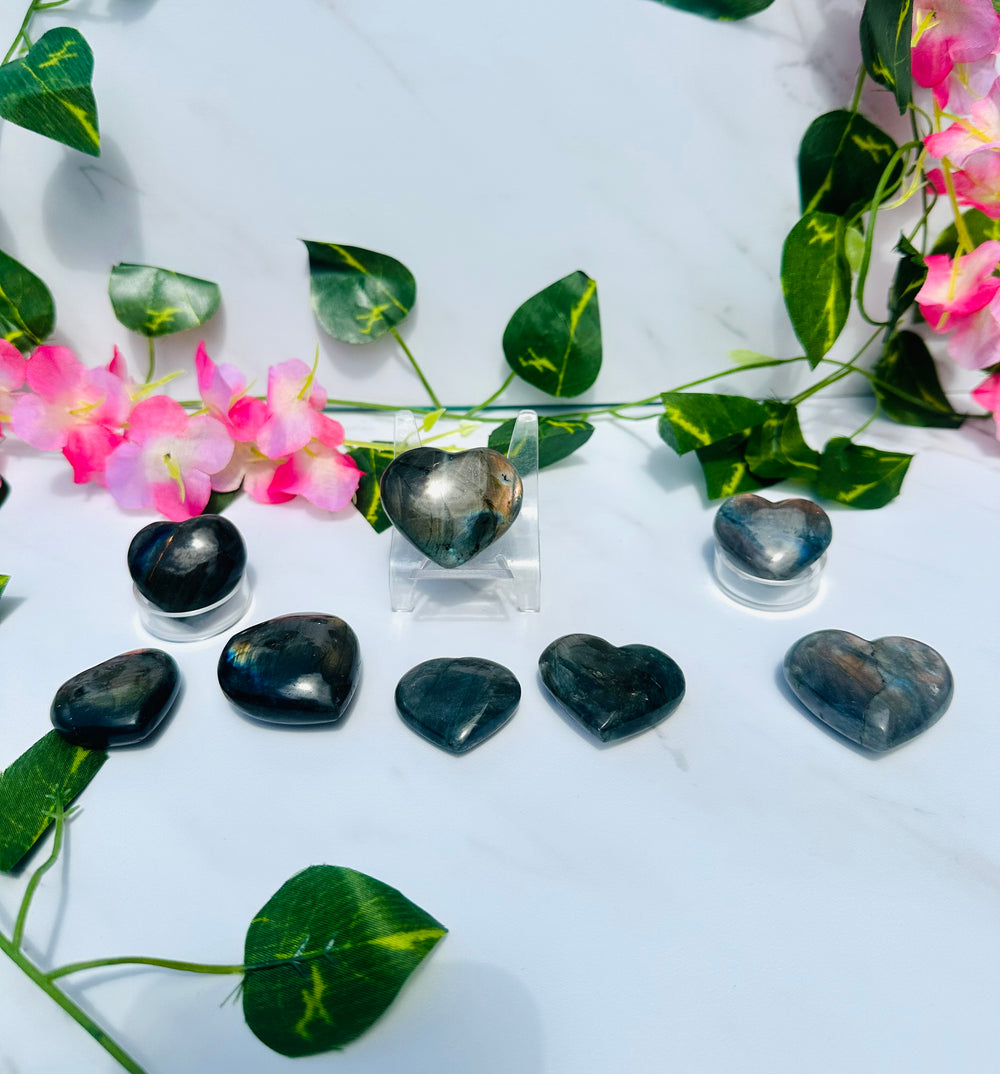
9,605
673,472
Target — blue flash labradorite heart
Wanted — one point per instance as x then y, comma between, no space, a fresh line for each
117,703
451,505
295,669
613,692
457,703
878,694
187,566
776,541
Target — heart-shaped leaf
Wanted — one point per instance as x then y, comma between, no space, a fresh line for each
725,469
27,312
776,449
816,282
325,957
48,91
553,341
841,160
696,419
557,438
860,476
51,770
372,461
886,31
906,365
157,302
724,10
358,295
911,271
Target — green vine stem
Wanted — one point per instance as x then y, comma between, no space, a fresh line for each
420,373
22,38
143,960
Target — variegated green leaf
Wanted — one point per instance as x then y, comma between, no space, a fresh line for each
908,386
48,91
157,302
358,295
372,462
4,579
553,341
886,32
696,419
979,226
726,470
723,10
557,438
325,957
859,476
51,770
777,449
816,282
27,312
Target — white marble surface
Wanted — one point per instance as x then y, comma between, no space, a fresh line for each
736,890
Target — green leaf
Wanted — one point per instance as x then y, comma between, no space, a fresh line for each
911,271
4,490
219,501
4,579
557,438
778,450
841,161
726,470
368,499
858,476
51,769
979,226
157,302
553,341
724,10
358,295
48,91
27,312
886,30
326,956
906,365
696,419
816,282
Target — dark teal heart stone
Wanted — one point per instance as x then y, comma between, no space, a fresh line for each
117,703
776,541
451,505
293,670
187,566
457,703
878,694
613,692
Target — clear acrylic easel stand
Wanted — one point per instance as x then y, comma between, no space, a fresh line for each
767,594
511,564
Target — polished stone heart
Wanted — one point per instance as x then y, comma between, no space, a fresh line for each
187,566
117,703
878,694
451,505
457,703
293,670
771,540
614,693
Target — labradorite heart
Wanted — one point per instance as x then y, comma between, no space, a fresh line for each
187,566
770,540
451,505
613,692
878,694
457,703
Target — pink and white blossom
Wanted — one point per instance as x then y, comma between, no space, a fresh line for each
12,372
294,412
224,390
947,32
320,474
958,287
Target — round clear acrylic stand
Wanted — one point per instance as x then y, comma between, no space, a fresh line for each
767,594
510,566
198,624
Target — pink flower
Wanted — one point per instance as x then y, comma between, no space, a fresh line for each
977,183
223,390
320,474
168,459
254,471
294,412
958,287
12,370
965,85
980,130
72,409
975,339
946,32
987,395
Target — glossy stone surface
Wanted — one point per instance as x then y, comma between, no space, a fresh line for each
773,540
457,703
451,505
292,670
117,703
878,694
187,566
613,692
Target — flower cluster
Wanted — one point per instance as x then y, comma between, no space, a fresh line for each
955,45
150,452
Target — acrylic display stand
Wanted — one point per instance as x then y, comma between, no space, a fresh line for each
767,594
198,624
510,566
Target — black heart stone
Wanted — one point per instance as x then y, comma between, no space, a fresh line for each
878,694
292,670
769,540
457,703
613,692
117,703
451,505
187,566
